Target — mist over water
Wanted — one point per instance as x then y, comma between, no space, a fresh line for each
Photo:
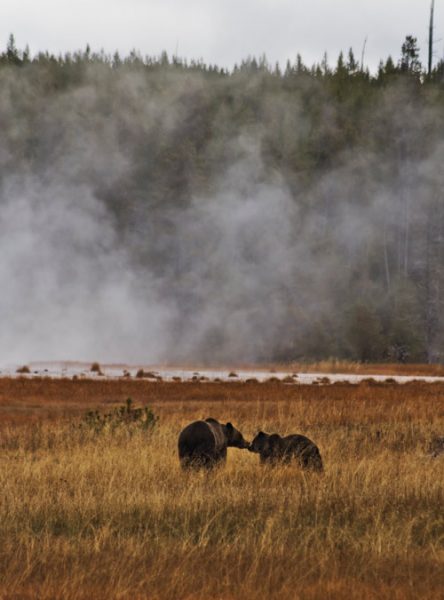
170,216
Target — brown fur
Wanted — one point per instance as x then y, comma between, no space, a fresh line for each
204,443
274,449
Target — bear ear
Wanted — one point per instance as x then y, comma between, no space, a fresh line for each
229,426
261,434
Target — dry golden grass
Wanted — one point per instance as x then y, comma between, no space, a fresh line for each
359,368
112,516
335,365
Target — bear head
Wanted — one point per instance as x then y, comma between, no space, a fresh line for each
234,437
260,443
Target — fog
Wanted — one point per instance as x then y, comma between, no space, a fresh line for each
170,215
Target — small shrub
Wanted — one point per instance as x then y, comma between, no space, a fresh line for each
251,380
147,374
24,369
95,368
370,381
177,378
288,379
232,374
273,380
123,417
436,447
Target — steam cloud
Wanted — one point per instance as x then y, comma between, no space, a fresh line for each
102,259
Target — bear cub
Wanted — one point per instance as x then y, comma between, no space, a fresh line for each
274,449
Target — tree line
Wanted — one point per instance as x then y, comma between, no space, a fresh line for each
291,213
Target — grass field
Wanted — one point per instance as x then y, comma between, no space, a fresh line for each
110,514
359,368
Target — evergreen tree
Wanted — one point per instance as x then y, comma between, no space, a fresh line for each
352,64
349,161
12,54
409,62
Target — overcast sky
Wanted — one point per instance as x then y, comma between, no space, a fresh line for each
222,31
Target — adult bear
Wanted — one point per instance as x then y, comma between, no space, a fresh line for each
274,449
204,443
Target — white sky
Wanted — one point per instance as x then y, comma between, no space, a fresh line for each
222,31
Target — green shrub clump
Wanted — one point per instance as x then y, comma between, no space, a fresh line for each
123,417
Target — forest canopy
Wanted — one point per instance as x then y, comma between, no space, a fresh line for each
262,213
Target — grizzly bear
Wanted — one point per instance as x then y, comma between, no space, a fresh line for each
274,449
204,443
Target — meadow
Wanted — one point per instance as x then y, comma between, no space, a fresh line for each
107,513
